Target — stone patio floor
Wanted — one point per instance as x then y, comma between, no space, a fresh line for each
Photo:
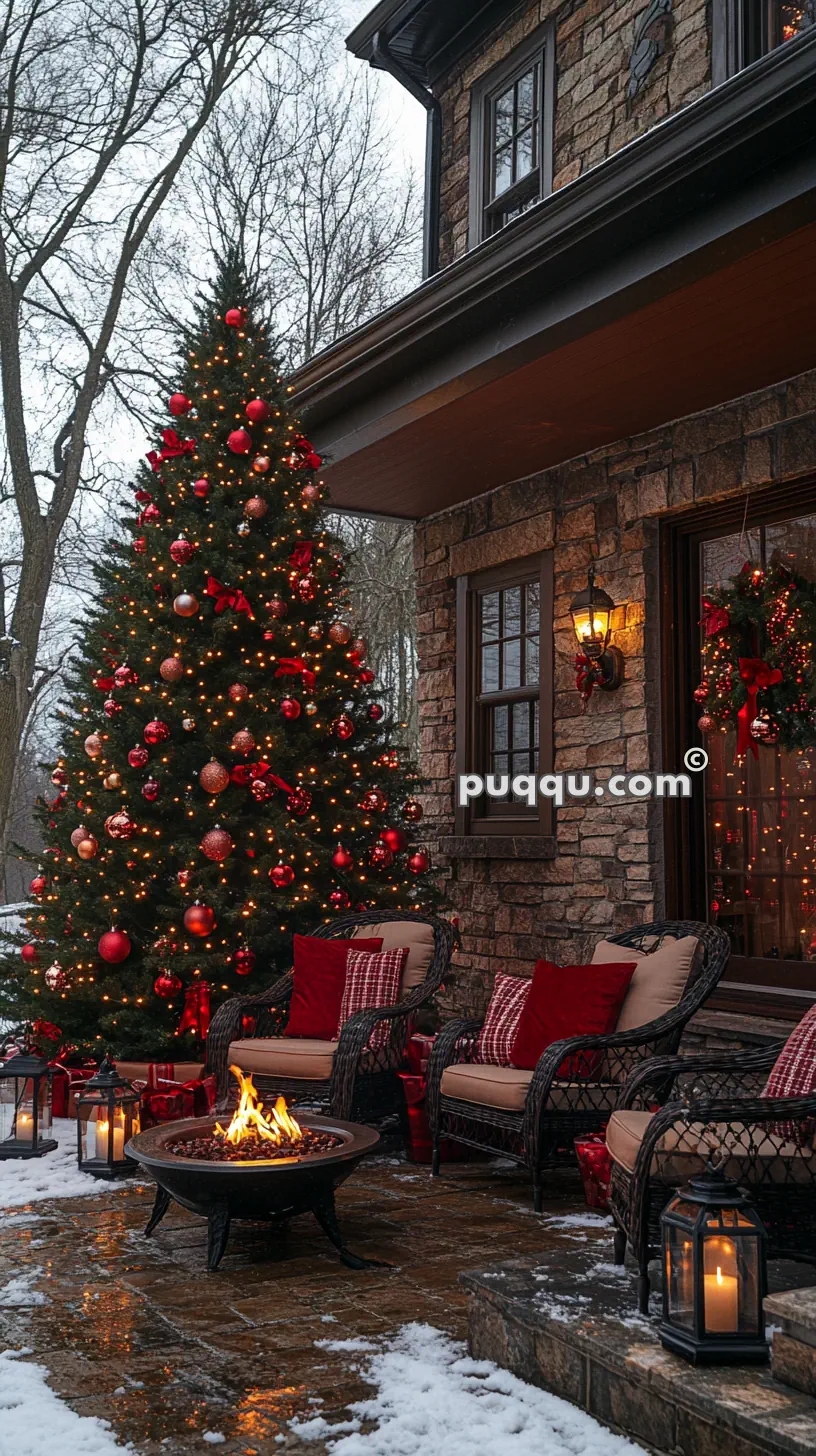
138,1332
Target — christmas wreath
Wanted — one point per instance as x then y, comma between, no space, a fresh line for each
757,655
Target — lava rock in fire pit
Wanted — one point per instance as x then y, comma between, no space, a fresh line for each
252,1149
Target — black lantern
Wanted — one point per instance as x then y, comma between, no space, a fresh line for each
107,1118
25,1106
714,1274
591,617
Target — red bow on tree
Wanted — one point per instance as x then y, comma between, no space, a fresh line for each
304,456
302,555
172,446
196,1014
291,666
755,674
243,773
227,596
715,619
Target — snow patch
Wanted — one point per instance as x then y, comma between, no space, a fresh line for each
355,1344
578,1220
214,1438
35,1422
55,1175
18,1293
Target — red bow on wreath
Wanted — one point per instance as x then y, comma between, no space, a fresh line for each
302,555
586,677
715,619
291,666
227,596
243,773
755,674
172,446
196,1014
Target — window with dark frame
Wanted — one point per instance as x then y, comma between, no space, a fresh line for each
746,30
511,136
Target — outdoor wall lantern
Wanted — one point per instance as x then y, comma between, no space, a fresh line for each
25,1106
107,1118
598,664
714,1274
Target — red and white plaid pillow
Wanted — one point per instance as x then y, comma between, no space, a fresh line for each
794,1072
372,979
501,1022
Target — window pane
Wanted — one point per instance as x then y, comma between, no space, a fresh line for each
511,676
500,729
532,590
502,170
526,98
521,725
490,669
521,763
525,154
490,616
531,667
788,21
512,612
503,119
792,543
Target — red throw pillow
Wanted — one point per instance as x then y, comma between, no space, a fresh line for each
569,1001
502,1019
372,980
319,979
794,1075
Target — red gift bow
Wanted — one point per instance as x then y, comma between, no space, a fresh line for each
172,446
715,619
244,772
291,666
227,596
308,458
755,674
302,555
196,1014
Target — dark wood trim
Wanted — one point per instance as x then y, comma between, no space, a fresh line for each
783,987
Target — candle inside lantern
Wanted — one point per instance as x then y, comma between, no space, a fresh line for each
24,1127
721,1303
102,1126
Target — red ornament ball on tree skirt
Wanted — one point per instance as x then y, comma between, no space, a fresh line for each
342,859
290,709
181,550
396,839
340,633
238,692
171,669
30,955
310,493
88,848
339,900
179,404
705,723
235,318
307,588
55,977
418,863
380,857
184,877
365,676
214,777
262,464
239,442
217,844
78,834
258,411
701,692
242,741
150,790
138,756
111,708
299,803
376,712
38,885
412,811
151,514
201,488
167,985
343,727
282,876
244,961
114,946
373,802
156,732
139,545
261,791
199,919
256,508
277,608
185,604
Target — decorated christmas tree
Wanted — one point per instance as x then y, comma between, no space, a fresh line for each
225,775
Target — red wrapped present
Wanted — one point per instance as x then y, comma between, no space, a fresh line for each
418,1143
595,1166
417,1052
170,1101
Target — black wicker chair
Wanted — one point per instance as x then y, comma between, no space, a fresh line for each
711,1107
362,1084
541,1136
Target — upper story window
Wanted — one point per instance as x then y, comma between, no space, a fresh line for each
746,30
511,136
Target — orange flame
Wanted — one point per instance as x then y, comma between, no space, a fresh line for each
249,1120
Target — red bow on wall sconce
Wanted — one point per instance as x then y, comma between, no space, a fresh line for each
598,664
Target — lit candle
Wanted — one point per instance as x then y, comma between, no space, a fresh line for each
24,1131
102,1140
721,1303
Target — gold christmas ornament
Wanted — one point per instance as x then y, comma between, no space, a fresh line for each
87,848
112,781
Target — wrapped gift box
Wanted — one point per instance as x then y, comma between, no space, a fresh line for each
595,1167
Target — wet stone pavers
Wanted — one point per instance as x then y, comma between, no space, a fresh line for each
137,1331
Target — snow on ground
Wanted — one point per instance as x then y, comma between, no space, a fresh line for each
55,1175
35,1422
18,1293
432,1399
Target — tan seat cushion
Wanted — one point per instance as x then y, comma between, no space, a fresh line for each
282,1056
419,939
659,980
506,1087
755,1153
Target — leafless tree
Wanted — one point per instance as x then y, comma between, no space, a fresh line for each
100,108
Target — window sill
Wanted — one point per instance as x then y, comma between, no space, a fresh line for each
499,846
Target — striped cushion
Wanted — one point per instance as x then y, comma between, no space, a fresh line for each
794,1075
372,979
501,1022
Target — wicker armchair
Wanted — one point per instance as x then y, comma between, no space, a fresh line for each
711,1109
551,1113
342,1078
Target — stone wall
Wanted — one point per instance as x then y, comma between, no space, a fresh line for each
593,115
607,871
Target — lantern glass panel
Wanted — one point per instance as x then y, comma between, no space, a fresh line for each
591,623
679,1274
18,1098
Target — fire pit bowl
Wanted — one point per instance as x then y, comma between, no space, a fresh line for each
267,1190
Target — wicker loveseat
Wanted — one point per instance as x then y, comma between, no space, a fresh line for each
342,1077
712,1109
533,1117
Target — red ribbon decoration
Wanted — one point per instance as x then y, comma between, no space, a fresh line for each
301,557
586,677
291,666
227,596
755,674
196,1014
304,456
172,446
715,619
244,773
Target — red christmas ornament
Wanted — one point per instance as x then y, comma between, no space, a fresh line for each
184,877
290,708
239,442
307,588
199,919
150,790
396,839
412,811
299,803
701,692
179,404
282,876
339,900
93,745
277,608
181,550
342,859
55,977
340,633
139,545
138,756
242,741
217,844
30,955
114,946
125,677
380,857
78,834
120,825
705,723
156,732
256,508
167,985
201,488
238,692
248,1024
261,791
365,677
261,464
151,514
244,960
185,604
343,727
373,802
418,863
171,669
258,411
376,712
38,885
214,778
360,648
311,493
111,708
235,318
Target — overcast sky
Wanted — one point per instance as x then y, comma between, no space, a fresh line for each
407,114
